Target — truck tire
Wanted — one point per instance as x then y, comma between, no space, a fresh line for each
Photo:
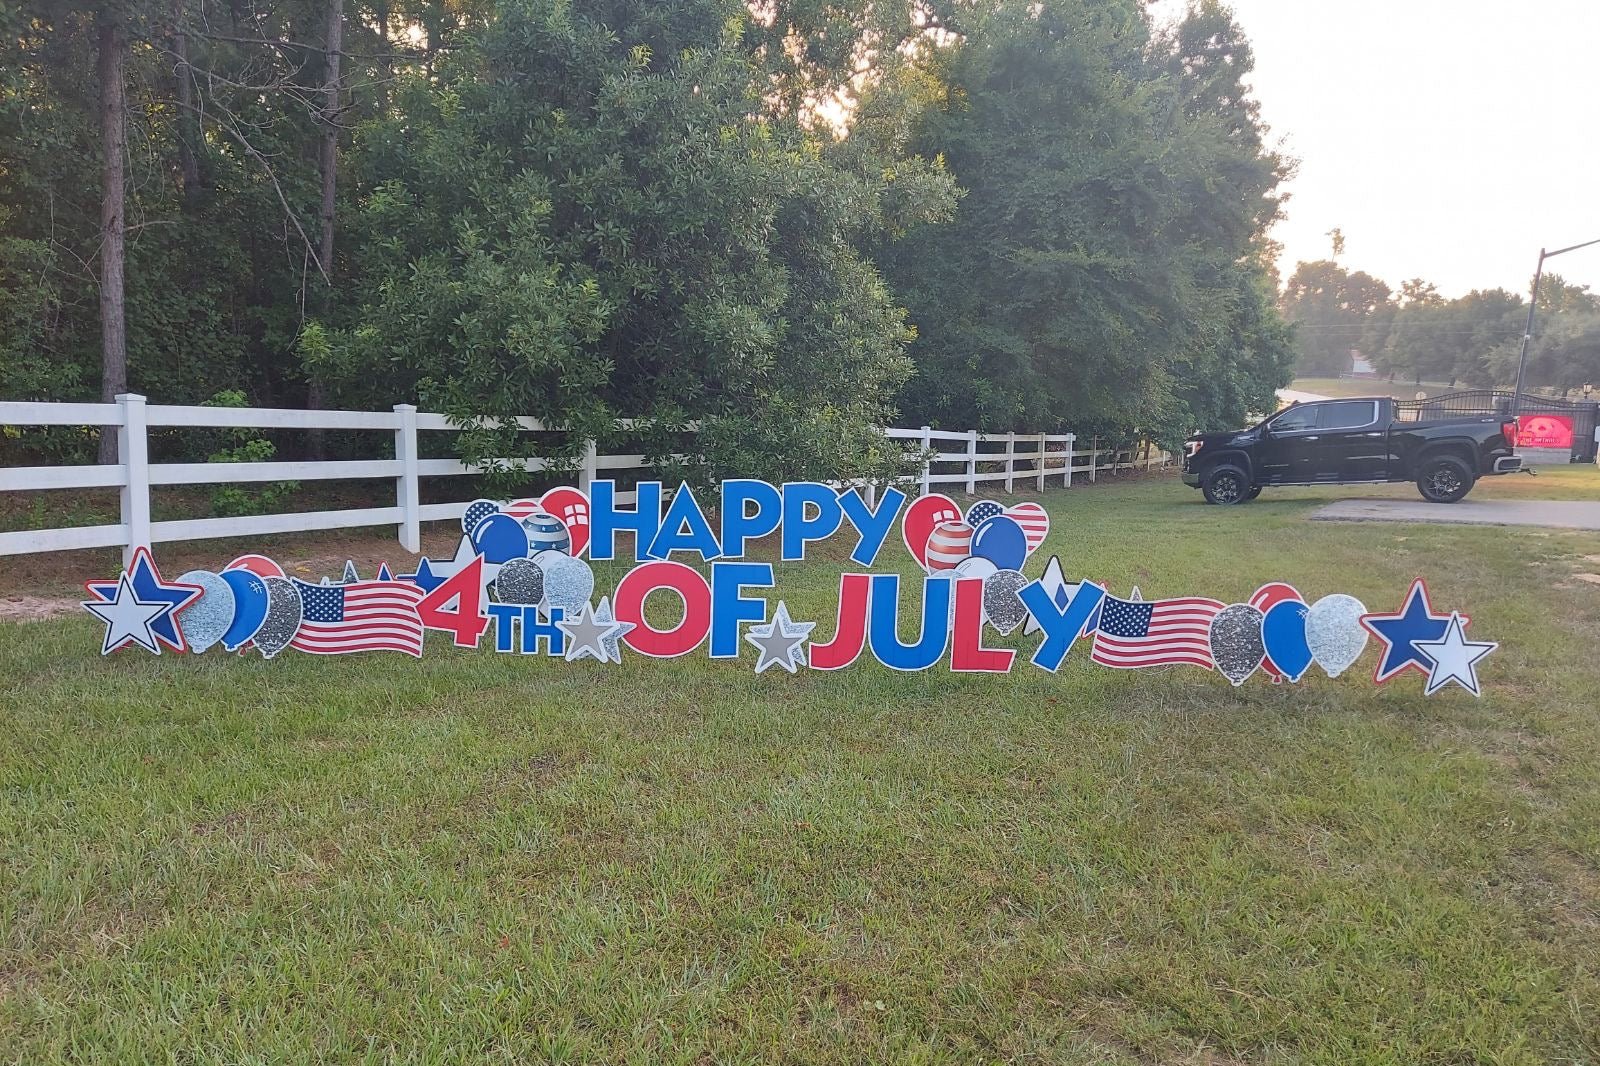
1444,479
1225,485
1255,490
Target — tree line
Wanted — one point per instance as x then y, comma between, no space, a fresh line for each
1417,335
787,221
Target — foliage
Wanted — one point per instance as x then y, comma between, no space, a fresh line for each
1335,312
585,220
1104,269
242,446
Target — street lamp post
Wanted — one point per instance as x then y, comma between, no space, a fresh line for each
1533,304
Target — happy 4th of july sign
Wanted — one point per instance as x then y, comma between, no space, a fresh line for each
519,583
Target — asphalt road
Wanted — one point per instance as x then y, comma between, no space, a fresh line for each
1562,514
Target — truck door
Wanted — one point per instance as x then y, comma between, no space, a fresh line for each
1284,455
1350,444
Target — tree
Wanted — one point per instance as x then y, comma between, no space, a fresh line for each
588,212
1334,312
1104,268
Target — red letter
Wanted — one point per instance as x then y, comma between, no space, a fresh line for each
969,656
851,635
687,635
458,606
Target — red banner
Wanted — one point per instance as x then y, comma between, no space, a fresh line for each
1544,431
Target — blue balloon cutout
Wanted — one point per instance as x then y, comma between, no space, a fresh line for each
1284,633
1001,541
500,539
249,607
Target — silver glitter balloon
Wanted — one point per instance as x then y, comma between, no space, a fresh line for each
283,616
568,582
1334,632
1001,605
1236,644
520,581
205,620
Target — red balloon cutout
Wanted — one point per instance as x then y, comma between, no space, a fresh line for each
572,508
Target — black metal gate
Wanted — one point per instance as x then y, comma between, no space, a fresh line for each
1496,403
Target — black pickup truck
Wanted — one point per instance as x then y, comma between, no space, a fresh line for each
1351,442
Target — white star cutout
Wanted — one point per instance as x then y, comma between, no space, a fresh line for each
1454,658
127,619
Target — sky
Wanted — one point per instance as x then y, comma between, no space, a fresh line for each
1448,139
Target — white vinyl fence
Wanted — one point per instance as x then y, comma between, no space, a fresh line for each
962,460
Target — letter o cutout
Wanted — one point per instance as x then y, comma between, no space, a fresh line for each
637,585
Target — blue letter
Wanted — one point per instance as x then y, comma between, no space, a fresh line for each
738,525
797,528
684,529
874,526
505,616
885,623
534,631
605,521
728,608
1061,627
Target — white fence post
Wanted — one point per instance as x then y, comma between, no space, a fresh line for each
1011,460
406,494
590,466
1094,456
972,462
1044,440
927,462
1072,438
133,448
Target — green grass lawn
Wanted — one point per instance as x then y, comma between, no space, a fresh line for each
480,858
1399,389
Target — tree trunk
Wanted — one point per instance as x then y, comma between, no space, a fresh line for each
113,50
187,122
333,43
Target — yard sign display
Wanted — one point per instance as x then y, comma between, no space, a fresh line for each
518,584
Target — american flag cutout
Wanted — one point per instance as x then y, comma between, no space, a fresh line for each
1133,634
365,616
1035,523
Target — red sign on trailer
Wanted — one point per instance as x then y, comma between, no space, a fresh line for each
1544,431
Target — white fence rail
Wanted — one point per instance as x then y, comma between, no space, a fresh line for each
1029,459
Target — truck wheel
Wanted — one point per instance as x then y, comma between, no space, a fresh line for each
1225,485
1444,479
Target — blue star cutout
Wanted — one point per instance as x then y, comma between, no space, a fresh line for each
424,578
1401,631
383,573
145,581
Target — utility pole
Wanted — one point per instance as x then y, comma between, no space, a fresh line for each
1533,305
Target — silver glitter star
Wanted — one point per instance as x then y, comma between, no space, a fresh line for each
781,641
594,634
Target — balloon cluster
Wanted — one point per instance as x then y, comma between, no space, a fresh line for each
989,541
1276,631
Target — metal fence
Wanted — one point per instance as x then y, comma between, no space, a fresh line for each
1498,403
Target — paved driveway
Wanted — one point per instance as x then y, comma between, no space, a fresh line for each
1565,514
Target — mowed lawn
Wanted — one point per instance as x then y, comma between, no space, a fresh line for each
485,858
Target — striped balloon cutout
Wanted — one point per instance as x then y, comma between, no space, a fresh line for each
948,544
1035,523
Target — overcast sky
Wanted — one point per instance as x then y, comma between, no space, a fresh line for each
1449,139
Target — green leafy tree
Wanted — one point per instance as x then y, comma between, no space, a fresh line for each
1104,270
589,212
1335,312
